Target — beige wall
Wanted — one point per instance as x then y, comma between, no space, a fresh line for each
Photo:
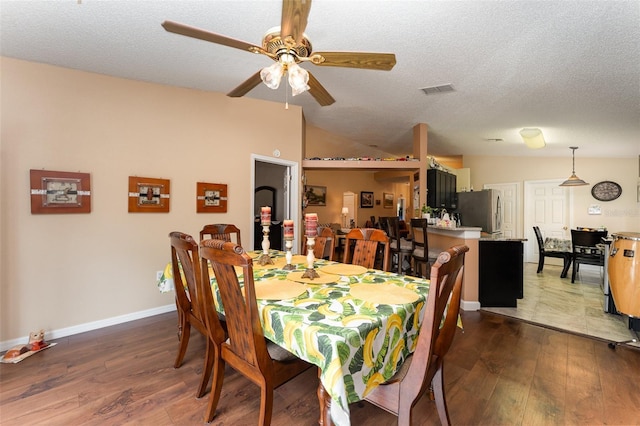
619,215
60,271
339,181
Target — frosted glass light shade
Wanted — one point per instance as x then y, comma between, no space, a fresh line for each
298,79
533,138
272,75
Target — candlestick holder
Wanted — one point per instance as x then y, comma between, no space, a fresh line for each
310,272
265,259
288,243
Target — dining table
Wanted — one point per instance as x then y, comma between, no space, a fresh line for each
357,325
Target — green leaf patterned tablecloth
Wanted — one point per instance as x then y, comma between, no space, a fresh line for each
357,344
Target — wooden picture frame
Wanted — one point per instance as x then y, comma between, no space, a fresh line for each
149,195
315,195
211,197
366,200
59,192
387,198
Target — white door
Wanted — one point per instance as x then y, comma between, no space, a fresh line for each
510,196
546,205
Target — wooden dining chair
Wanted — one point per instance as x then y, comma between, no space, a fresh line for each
400,248
367,242
221,231
324,245
247,351
189,303
424,367
422,255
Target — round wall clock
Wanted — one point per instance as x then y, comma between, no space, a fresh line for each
606,191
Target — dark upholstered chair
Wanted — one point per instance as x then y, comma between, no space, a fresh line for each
587,249
544,252
424,367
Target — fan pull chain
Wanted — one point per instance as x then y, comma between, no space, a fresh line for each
286,97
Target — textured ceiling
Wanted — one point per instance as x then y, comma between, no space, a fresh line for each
569,68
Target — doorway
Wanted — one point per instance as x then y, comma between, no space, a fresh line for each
275,181
546,205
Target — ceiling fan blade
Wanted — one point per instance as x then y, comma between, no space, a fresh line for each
294,19
372,61
246,86
319,92
186,30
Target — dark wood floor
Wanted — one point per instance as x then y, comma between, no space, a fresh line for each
500,371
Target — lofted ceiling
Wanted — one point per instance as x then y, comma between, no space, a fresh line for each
570,68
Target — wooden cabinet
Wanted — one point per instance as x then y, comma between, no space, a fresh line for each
441,189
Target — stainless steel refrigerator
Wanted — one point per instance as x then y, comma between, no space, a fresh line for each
481,209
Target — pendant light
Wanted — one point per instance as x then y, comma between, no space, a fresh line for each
573,179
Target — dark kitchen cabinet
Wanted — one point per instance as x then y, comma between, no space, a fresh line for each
441,189
501,267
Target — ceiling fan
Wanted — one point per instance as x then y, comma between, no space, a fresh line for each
288,45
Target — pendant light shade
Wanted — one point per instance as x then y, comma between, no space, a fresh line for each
533,138
573,179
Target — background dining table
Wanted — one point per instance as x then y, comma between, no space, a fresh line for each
357,325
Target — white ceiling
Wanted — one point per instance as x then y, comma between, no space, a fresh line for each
571,68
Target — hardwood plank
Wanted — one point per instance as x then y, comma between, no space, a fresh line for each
498,371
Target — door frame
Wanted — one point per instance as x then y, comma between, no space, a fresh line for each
531,247
292,194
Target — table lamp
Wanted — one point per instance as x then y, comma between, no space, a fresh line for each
345,212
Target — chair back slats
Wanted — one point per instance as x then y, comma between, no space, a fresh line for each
367,241
185,257
221,231
324,245
437,330
246,338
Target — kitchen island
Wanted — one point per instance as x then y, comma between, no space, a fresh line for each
441,238
482,250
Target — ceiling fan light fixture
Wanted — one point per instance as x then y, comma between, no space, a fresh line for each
533,138
272,75
298,79
573,179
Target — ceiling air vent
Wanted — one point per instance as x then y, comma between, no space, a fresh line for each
437,89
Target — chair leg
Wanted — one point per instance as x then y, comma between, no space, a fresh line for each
184,332
216,384
540,263
438,391
565,268
266,404
573,274
209,361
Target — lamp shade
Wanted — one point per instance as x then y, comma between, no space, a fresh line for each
345,210
573,179
271,75
533,138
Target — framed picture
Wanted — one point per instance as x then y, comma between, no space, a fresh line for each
148,195
211,198
366,199
388,200
315,195
60,192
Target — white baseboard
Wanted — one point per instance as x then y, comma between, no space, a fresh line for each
469,306
94,325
